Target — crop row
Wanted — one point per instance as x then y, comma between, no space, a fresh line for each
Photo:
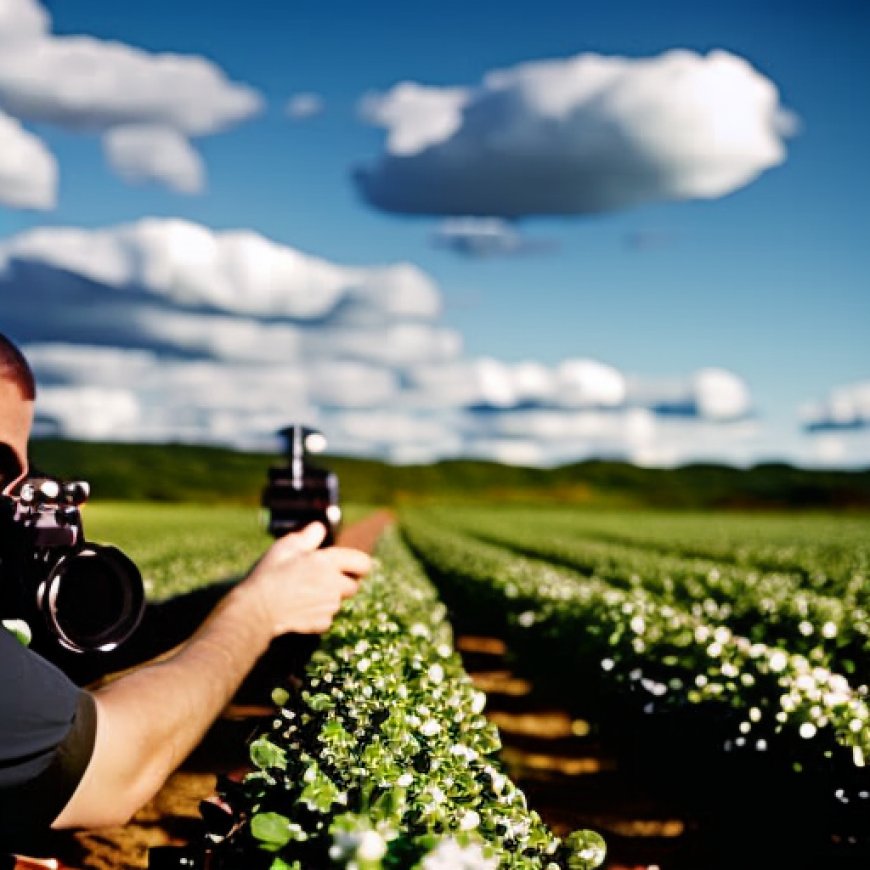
828,551
773,608
383,757
638,640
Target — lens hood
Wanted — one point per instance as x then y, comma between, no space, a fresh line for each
93,598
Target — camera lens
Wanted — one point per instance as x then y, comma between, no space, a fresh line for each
94,598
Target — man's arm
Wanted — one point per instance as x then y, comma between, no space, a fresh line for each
149,721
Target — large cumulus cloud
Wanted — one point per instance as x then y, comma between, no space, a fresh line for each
165,329
85,84
580,135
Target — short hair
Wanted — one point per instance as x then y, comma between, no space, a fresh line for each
15,368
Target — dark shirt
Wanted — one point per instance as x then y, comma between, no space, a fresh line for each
47,732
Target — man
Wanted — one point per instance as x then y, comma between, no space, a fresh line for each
74,758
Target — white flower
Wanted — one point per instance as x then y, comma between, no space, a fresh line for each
437,794
527,618
777,661
469,821
430,728
463,751
371,846
449,855
499,780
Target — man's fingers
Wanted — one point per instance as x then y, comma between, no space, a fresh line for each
348,587
350,561
312,535
304,541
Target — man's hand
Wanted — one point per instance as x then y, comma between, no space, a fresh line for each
149,720
298,587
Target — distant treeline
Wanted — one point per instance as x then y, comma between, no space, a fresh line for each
178,472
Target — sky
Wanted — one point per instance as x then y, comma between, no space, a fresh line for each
534,233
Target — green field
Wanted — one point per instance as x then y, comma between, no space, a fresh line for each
715,635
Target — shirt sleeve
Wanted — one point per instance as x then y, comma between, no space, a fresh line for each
47,732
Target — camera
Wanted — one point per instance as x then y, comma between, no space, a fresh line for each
300,492
87,597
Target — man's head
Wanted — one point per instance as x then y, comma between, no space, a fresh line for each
17,397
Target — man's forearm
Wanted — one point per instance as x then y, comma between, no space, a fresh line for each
149,720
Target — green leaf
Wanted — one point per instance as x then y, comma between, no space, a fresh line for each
320,702
265,754
272,830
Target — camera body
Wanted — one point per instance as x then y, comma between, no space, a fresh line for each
86,597
300,492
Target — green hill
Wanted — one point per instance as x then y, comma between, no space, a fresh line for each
178,472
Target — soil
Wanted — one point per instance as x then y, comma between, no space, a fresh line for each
572,777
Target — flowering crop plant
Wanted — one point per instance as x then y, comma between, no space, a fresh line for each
668,655
383,757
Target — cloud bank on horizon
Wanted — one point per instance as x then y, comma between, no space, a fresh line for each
165,329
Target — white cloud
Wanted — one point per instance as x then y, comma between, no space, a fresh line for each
84,84
239,271
711,393
304,105
720,394
845,407
164,329
589,383
349,384
28,170
390,344
838,449
415,116
837,427
129,395
91,413
578,135
485,237
21,20
149,152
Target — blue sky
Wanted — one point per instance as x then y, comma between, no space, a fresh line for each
745,308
